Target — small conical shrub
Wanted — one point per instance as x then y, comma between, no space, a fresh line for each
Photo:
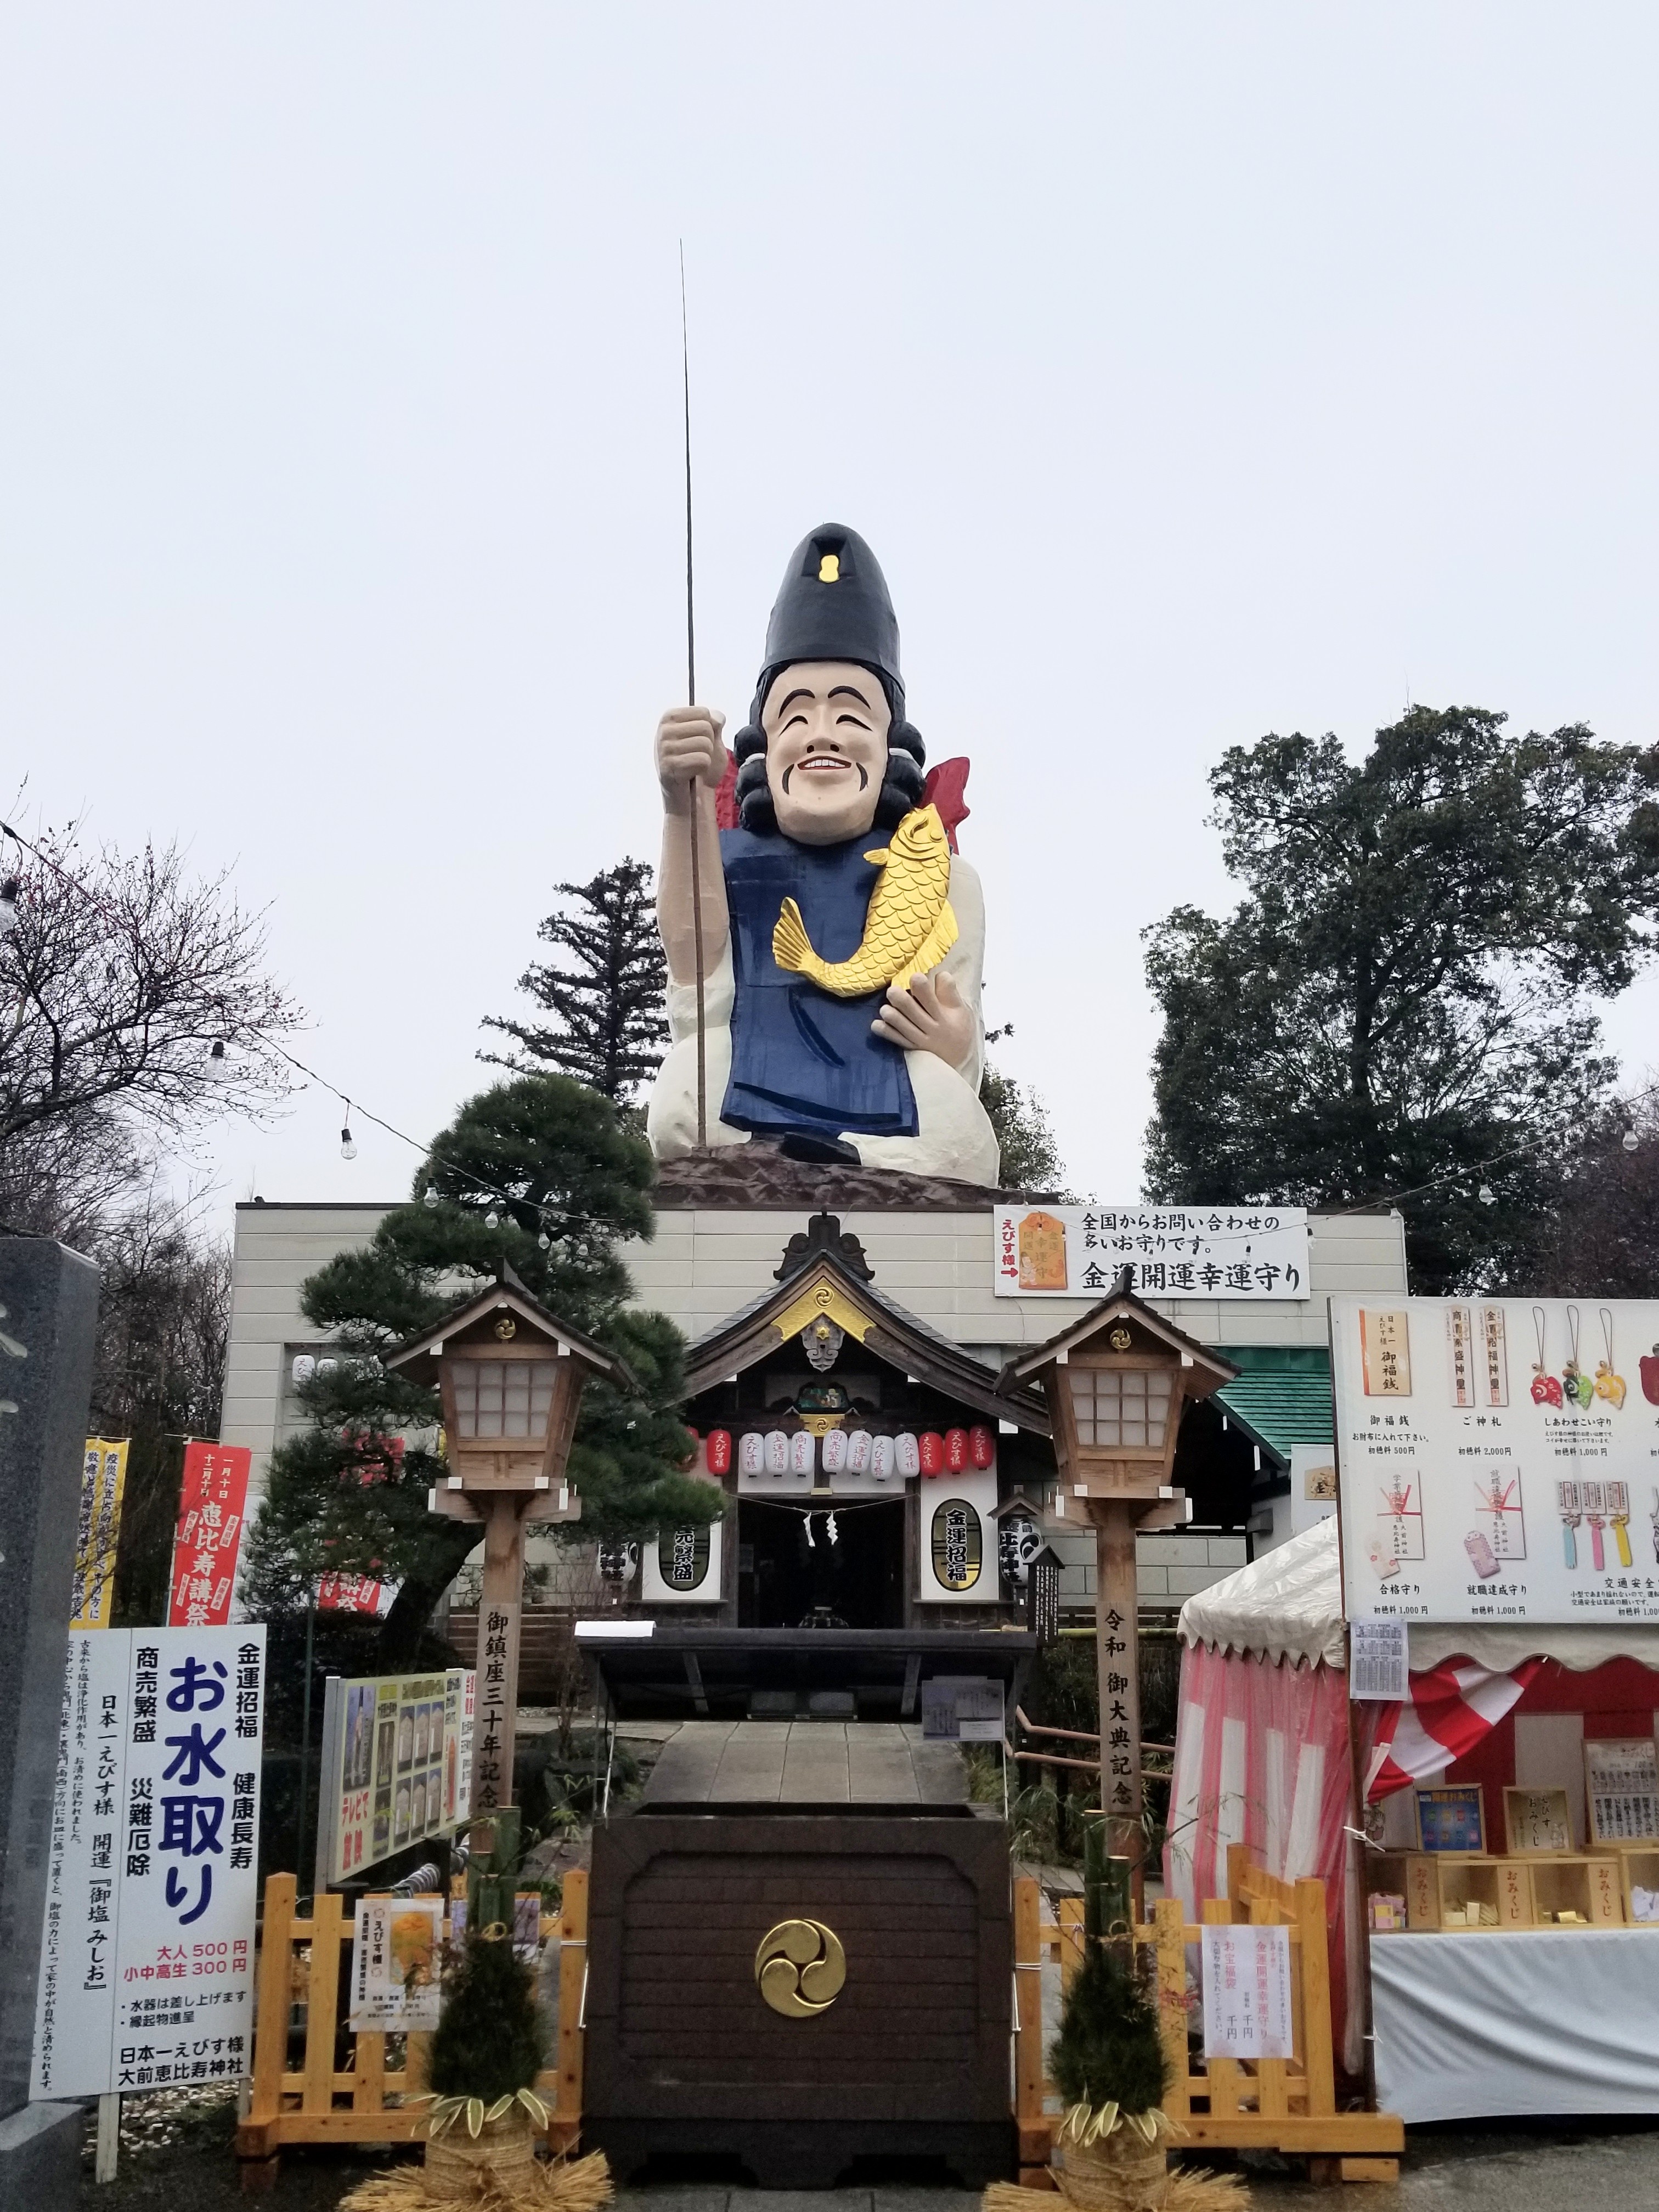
1108,2051
489,2040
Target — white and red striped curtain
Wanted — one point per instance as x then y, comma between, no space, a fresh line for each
1262,1759
1451,1708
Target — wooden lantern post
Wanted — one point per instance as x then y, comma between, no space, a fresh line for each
1117,1383
511,1377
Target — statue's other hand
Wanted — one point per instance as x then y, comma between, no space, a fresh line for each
928,1016
689,744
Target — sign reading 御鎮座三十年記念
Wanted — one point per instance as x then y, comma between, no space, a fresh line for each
1172,1252
147,1949
1495,1457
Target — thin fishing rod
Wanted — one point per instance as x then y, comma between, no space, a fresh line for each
691,700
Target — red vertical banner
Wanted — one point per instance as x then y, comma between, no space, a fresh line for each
209,1538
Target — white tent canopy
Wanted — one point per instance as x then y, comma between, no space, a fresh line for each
1288,1605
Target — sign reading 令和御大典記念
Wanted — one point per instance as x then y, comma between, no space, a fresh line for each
396,1766
1498,1457
1172,1252
147,1946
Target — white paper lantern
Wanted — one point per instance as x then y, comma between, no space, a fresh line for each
752,1453
907,1454
777,1451
800,1452
882,1458
858,1452
834,1454
305,1366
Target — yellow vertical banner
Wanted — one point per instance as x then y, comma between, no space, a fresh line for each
103,1473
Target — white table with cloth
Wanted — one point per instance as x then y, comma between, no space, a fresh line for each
1496,2025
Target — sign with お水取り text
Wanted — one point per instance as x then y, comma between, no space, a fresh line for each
147,1943
1172,1252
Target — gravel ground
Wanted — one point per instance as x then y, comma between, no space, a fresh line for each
184,2163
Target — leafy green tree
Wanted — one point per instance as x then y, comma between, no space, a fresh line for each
609,1027
541,1173
1025,1138
1402,998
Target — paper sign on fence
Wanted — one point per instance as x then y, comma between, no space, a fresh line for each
396,1963
1247,1993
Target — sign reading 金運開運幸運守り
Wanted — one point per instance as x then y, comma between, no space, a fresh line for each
1172,1252
147,1948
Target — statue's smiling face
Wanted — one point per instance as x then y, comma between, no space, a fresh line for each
826,725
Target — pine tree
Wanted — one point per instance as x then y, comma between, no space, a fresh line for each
1108,2051
609,1030
488,2042
545,1156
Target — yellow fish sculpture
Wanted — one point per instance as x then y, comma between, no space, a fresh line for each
910,927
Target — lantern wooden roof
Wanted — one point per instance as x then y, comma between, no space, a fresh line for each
475,1321
825,1275
1203,1369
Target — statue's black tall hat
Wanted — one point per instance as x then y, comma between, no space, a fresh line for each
835,605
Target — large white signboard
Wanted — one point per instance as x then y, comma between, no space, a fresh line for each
396,1766
1181,1252
1499,1458
147,1952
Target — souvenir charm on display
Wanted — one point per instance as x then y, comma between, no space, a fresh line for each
1567,1496
1607,1384
1546,1389
1617,1497
1648,1368
1596,1515
1577,1387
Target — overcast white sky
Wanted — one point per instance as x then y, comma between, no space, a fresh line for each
1194,373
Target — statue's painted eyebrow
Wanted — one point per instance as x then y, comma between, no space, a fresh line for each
784,706
846,692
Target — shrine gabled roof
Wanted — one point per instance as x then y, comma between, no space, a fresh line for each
825,1276
1119,1304
507,1294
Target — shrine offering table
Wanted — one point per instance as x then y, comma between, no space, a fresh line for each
1495,2025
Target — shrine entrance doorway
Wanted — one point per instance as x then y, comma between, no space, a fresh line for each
793,1573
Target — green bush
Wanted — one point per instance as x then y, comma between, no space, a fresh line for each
1108,2051
489,2040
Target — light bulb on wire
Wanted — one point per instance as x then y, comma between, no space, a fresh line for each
216,1068
544,1241
8,891
1486,1194
348,1143
1629,1140
492,1219
430,1199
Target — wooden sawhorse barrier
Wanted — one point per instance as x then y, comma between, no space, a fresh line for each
361,2102
1287,2105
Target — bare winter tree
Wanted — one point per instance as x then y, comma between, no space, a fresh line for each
118,979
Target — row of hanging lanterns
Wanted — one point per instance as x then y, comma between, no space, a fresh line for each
851,1451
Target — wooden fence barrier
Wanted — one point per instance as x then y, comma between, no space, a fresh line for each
1287,2104
359,2101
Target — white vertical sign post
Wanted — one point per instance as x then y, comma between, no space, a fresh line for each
147,1946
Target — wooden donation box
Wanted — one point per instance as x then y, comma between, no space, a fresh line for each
800,1989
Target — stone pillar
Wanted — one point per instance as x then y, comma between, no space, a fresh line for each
48,1320
1117,1655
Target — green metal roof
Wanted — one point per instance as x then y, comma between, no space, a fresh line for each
1284,1392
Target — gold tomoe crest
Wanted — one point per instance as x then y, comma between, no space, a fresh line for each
801,1968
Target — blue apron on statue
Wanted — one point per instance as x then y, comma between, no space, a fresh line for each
802,1060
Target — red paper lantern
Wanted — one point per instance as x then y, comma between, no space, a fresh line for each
983,1445
720,1450
955,1450
931,1445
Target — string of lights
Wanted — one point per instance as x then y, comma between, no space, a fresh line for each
549,1217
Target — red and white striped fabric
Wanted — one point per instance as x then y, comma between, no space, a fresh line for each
1451,1707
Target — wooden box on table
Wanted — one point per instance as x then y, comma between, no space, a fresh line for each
1589,1890
1639,1868
1498,1892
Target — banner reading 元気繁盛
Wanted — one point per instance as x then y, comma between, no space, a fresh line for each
148,1945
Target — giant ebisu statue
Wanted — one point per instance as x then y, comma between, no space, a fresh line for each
842,938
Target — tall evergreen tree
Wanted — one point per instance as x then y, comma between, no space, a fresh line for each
1402,998
609,1028
540,1172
